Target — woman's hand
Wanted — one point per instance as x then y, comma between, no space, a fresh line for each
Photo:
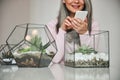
67,24
75,23
79,26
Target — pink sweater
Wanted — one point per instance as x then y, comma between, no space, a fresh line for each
59,38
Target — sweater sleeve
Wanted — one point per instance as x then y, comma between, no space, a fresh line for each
59,39
52,27
89,40
60,45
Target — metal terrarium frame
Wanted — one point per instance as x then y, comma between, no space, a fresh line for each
24,41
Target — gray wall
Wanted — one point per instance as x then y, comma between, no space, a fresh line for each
42,11
0,17
12,12
106,12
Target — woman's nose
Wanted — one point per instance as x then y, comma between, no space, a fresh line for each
76,1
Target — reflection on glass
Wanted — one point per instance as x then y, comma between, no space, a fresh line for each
16,73
58,71
86,73
55,72
61,72
8,69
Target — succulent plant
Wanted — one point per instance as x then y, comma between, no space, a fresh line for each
36,45
85,50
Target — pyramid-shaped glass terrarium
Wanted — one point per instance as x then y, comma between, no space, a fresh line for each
34,45
87,50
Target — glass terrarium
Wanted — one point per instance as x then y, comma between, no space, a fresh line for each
34,45
87,50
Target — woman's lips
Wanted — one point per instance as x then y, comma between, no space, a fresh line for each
75,6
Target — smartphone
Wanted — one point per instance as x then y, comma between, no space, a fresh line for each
81,14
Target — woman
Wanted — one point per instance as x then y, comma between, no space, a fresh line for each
66,22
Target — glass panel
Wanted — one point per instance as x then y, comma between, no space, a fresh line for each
93,50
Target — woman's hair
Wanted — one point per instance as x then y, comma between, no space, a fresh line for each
63,13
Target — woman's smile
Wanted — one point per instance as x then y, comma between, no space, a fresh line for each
74,5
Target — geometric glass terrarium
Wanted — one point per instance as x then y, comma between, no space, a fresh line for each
34,45
87,50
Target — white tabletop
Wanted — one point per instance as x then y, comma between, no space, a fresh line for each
55,72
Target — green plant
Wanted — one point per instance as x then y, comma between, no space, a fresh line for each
85,50
7,54
23,50
36,45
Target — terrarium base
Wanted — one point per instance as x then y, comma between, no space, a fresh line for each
33,59
87,64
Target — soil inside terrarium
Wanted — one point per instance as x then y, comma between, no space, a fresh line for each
45,60
32,59
92,63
